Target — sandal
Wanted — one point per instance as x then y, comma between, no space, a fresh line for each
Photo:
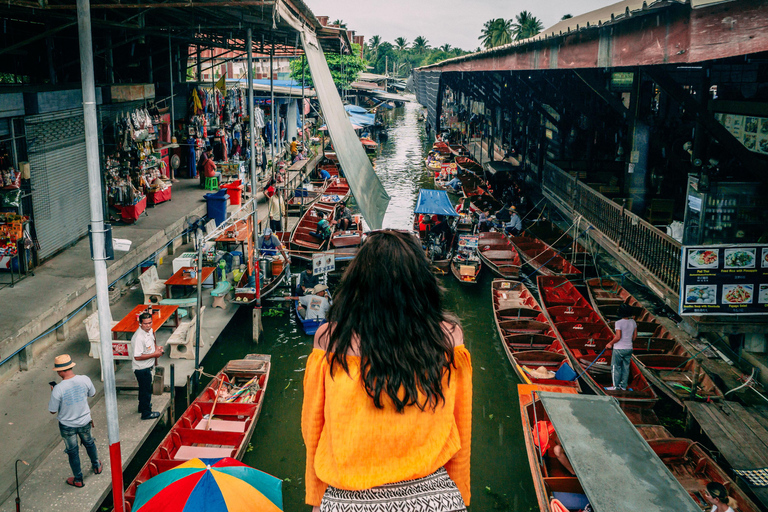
75,483
98,469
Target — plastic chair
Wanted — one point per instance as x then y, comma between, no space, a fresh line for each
212,183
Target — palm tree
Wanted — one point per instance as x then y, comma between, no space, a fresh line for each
446,48
401,43
373,46
420,45
526,25
339,23
496,32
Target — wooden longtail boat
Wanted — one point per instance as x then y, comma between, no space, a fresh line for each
458,149
665,362
336,192
303,199
369,144
301,240
514,306
498,254
599,442
584,335
543,258
245,295
345,244
469,165
466,265
441,147
234,399
694,468
562,241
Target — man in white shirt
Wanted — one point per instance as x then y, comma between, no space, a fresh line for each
69,399
315,306
145,354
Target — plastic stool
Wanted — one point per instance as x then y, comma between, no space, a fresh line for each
212,183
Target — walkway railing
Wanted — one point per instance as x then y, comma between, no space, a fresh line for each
635,238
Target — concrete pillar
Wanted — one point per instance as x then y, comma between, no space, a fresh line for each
258,327
291,129
62,333
25,358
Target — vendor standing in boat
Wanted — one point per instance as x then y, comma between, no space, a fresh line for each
268,245
307,281
387,413
514,226
621,344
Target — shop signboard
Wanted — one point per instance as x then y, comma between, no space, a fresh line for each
728,279
121,349
751,131
323,262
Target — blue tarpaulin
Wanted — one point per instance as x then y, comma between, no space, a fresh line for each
359,116
434,202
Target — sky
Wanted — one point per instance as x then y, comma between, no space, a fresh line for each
456,22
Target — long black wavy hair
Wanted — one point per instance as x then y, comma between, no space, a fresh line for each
389,297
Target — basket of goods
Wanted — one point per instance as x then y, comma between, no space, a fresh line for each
10,179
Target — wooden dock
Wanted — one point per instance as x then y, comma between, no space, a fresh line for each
739,433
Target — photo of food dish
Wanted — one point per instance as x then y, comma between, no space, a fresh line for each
750,142
737,293
702,258
762,296
764,125
739,258
701,294
750,125
763,145
764,260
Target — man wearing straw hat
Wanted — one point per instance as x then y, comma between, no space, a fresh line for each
69,399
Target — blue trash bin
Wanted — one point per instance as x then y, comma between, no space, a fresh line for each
217,206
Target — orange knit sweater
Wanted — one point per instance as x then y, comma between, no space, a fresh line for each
353,445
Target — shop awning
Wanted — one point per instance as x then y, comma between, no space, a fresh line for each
359,116
284,88
617,469
497,167
434,202
365,184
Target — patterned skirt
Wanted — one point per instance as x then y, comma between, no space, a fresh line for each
433,493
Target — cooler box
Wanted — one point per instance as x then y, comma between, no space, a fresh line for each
185,259
235,191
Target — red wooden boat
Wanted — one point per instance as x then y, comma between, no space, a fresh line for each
584,335
369,144
345,244
301,240
336,192
219,423
694,468
543,258
562,241
515,307
469,165
499,255
441,147
664,361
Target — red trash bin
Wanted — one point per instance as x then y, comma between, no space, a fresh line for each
234,190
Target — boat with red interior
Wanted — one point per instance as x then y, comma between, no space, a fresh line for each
302,242
584,335
543,258
337,191
498,254
664,360
466,265
528,339
218,423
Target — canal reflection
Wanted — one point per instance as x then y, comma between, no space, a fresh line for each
500,473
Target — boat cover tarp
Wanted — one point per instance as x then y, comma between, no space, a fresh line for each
496,167
434,202
365,184
359,116
617,469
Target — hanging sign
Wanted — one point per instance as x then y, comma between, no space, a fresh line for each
323,262
724,280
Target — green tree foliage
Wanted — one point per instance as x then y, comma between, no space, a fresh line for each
344,68
420,45
526,25
566,17
496,32
373,48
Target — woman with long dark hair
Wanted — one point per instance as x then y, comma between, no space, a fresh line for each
387,410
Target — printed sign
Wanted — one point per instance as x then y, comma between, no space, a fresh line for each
323,262
120,349
724,280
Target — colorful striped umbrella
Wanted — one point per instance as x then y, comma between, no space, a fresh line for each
210,485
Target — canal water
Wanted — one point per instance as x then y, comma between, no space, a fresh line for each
500,473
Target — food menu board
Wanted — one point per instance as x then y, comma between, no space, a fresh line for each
724,280
751,131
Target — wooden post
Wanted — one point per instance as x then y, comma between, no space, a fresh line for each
258,328
172,409
694,379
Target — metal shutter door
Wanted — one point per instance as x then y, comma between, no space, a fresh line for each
59,177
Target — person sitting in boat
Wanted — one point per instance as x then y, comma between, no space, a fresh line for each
307,281
316,305
425,225
324,174
546,439
442,231
323,227
717,495
514,226
268,245
344,218
455,184
483,222
621,344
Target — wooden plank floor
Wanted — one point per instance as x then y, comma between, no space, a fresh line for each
739,433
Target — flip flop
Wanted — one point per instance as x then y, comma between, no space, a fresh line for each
98,469
75,483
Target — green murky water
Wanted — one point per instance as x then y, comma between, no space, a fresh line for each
500,473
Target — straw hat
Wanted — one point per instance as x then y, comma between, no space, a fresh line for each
319,288
62,362
539,373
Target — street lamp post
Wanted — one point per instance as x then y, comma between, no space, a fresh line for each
18,499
